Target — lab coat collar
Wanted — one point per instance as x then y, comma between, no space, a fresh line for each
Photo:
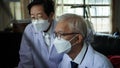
89,57
81,55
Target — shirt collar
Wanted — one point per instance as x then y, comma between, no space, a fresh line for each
80,56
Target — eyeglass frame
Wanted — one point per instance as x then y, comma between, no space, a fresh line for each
63,34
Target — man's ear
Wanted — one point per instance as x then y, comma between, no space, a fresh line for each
51,16
80,38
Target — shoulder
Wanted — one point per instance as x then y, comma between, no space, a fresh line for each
98,59
28,31
101,60
97,56
101,57
29,27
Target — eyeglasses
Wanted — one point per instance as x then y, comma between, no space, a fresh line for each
60,34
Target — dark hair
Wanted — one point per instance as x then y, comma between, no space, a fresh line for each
48,5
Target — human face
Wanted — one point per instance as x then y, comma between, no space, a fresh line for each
37,12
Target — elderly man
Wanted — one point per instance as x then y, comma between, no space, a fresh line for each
72,39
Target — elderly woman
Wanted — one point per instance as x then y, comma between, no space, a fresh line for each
72,34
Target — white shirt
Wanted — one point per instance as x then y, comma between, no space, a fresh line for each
92,59
78,58
47,38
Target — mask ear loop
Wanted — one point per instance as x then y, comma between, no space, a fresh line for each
72,39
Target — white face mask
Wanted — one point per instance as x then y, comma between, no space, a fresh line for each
40,25
62,45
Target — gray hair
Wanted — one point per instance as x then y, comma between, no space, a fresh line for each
76,23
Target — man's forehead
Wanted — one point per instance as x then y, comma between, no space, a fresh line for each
37,12
37,8
62,24
62,27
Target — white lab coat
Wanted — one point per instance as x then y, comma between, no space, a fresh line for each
34,53
92,59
